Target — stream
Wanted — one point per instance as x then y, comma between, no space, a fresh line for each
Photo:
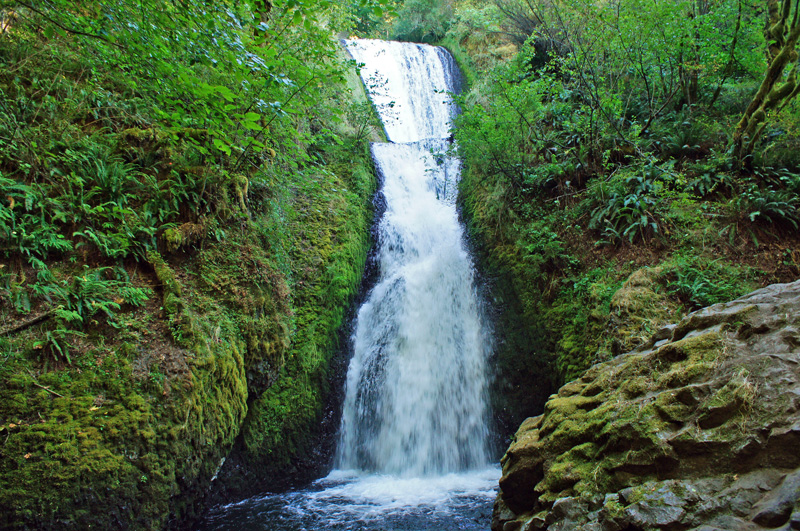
414,445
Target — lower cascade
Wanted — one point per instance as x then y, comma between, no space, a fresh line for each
413,449
416,386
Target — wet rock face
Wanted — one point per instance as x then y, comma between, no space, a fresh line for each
697,429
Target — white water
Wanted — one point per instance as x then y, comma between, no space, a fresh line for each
413,450
416,386
348,502
410,85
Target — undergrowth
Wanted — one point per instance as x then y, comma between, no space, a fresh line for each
181,231
595,230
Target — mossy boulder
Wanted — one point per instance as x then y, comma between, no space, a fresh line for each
638,308
673,435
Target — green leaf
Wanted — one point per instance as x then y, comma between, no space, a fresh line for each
222,146
225,92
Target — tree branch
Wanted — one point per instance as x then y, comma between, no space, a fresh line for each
65,28
27,324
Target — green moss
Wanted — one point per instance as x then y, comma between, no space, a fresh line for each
98,431
688,360
604,432
253,265
573,472
329,235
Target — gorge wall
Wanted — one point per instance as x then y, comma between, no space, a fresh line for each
208,350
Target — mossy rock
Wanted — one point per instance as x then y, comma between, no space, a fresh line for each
649,428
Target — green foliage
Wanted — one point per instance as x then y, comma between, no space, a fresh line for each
475,38
519,127
543,252
157,148
683,138
422,20
596,145
609,126
708,180
362,116
55,342
22,222
635,79
778,86
770,204
327,240
699,282
94,292
627,212
629,202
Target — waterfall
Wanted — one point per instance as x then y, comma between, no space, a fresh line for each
416,396
413,450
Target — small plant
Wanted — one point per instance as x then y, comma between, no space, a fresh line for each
628,211
766,204
698,283
545,252
684,139
708,183
55,342
363,118
94,293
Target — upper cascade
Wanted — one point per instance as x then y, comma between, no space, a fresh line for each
410,86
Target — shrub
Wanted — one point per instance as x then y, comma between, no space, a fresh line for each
627,210
768,204
698,282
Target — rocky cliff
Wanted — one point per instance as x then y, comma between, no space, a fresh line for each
699,428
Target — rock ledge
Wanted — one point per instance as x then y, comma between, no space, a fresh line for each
697,429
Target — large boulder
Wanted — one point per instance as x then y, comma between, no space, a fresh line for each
697,429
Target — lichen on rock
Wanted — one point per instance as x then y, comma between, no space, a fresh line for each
697,428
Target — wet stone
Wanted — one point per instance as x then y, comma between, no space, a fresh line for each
715,403
646,515
776,508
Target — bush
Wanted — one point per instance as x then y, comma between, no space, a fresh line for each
422,20
627,209
543,252
773,203
698,282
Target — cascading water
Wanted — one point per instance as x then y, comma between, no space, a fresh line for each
416,386
413,447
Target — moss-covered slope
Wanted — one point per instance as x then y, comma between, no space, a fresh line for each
567,198
133,429
165,292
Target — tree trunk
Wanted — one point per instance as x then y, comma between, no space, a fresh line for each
262,9
778,87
